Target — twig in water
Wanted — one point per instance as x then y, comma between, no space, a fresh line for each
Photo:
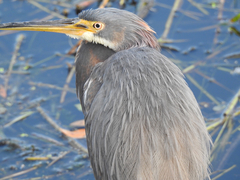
19,173
103,4
212,80
197,5
13,60
51,86
168,24
71,141
202,89
46,9
224,172
19,118
220,13
226,119
48,139
58,158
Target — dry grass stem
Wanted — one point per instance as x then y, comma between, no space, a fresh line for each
47,139
199,6
202,89
13,60
103,4
190,14
220,14
58,158
19,118
224,172
52,86
212,80
59,3
46,9
19,173
168,24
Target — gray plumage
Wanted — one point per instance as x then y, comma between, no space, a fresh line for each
144,122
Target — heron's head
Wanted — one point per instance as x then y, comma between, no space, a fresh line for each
113,28
116,29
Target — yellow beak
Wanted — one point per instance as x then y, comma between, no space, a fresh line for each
74,26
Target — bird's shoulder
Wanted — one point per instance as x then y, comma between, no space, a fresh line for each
137,60
143,66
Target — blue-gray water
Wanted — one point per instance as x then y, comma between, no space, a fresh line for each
199,43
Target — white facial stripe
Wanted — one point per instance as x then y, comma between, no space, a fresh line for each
89,36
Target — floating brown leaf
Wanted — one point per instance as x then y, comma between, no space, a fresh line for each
3,92
78,134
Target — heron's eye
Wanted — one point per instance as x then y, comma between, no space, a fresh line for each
98,25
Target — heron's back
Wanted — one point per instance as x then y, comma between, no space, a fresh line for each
144,122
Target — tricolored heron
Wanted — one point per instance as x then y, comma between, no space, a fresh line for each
142,120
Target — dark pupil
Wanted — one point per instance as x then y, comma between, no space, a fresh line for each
97,25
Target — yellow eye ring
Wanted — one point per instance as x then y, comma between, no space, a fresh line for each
98,25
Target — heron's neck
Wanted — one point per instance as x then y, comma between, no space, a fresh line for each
88,55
